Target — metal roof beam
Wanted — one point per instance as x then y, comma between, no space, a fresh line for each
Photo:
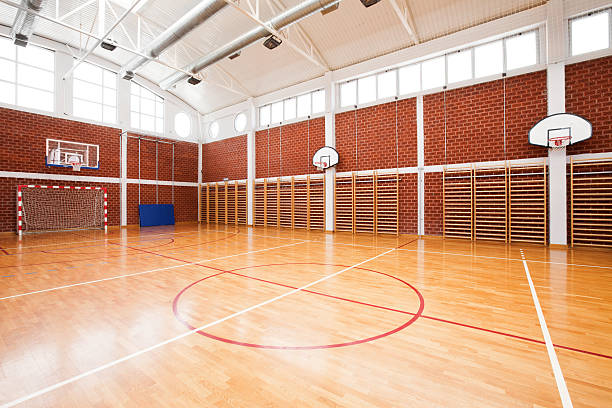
405,16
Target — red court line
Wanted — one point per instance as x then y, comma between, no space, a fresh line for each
4,251
410,313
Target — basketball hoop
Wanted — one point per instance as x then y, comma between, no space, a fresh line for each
75,162
558,142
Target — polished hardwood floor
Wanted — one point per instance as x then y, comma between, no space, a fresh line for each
215,316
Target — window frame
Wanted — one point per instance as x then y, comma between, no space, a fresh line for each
102,104
589,54
140,114
297,117
15,84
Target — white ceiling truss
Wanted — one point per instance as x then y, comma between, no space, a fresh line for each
405,16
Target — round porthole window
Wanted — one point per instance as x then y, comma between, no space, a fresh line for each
182,124
240,122
213,130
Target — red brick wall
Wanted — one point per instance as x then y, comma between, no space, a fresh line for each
225,158
408,204
23,143
587,93
287,150
475,121
433,204
377,143
185,159
526,105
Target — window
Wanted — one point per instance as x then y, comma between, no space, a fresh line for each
182,124
277,112
590,33
27,76
318,101
387,84
521,51
348,94
264,115
489,59
410,79
240,122
292,108
366,89
433,73
213,129
94,94
146,109
303,105
459,66
289,109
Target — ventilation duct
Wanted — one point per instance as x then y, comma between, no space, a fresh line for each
192,19
279,22
23,26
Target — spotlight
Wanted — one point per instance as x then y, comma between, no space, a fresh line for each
369,3
129,75
234,55
272,42
193,80
109,44
330,9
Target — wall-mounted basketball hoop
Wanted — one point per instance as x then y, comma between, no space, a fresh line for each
324,158
560,130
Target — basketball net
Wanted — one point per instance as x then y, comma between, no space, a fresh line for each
75,162
559,142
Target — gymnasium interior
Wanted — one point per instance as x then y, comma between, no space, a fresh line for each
306,203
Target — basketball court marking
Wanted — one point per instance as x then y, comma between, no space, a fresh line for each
552,355
183,335
143,272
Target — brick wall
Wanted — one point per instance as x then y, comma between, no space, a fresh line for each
287,150
474,118
23,148
386,136
587,93
23,143
225,158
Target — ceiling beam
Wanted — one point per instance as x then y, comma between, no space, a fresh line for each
405,16
309,56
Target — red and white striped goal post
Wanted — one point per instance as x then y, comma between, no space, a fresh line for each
20,203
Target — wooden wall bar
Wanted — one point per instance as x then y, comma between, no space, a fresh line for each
223,203
367,203
296,202
458,211
491,203
528,209
591,202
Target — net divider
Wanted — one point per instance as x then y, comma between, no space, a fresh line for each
20,202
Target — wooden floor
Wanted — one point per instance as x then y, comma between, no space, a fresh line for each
209,316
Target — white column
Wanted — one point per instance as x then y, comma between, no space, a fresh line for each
63,96
124,178
251,159
420,165
123,103
557,190
330,140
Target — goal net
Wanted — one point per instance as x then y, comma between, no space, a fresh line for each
57,208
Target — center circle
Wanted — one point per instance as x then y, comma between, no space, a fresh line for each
415,316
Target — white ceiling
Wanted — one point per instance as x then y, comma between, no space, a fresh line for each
344,37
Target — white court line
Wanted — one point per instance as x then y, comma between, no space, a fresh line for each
180,336
552,355
144,272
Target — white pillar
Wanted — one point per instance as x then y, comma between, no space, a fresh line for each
63,94
251,159
124,140
557,183
330,140
420,165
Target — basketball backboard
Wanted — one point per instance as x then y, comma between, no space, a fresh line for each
559,130
63,153
325,157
